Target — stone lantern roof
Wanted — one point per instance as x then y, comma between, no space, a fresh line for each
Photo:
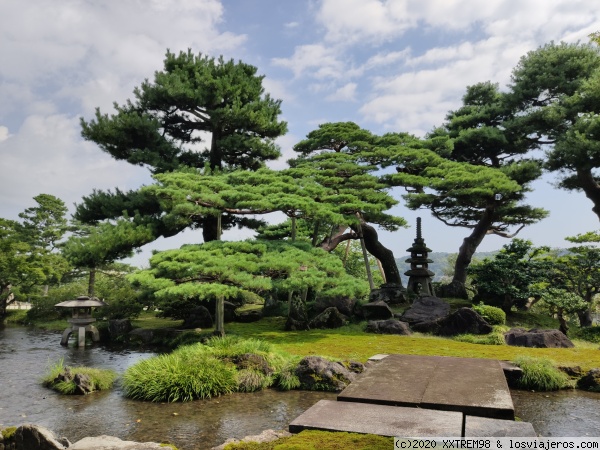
83,301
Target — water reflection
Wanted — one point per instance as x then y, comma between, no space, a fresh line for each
25,355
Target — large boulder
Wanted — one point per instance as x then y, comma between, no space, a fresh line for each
521,337
319,374
463,321
252,315
390,326
377,311
330,318
198,317
590,381
389,293
229,312
424,310
29,437
344,305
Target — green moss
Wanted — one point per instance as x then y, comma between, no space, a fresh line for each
320,440
8,433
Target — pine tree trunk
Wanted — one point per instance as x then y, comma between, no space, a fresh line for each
585,318
382,253
590,187
92,282
469,247
220,317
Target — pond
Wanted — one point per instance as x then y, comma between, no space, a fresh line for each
25,355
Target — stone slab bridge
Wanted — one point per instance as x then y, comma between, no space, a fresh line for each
421,396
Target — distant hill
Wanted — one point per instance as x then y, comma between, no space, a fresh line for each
439,264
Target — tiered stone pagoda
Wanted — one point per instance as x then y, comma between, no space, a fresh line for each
82,320
420,277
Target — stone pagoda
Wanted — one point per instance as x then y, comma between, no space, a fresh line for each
81,320
420,277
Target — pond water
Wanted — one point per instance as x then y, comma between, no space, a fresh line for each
25,355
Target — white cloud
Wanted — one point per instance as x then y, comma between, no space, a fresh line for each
345,93
46,155
3,133
318,60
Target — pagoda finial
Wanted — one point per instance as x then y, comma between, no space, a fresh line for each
419,228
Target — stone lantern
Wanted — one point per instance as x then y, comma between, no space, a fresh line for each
419,281
81,320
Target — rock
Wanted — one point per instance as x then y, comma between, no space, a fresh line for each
330,318
389,293
118,328
319,374
520,337
425,310
390,326
83,384
265,436
590,381
198,317
571,371
463,321
253,315
112,443
29,437
253,362
344,305
229,312
377,311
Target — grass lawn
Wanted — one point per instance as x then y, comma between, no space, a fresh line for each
351,342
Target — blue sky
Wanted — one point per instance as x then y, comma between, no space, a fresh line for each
395,65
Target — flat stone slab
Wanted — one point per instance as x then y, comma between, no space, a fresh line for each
472,386
485,427
382,420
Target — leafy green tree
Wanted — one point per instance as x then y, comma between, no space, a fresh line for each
578,273
197,111
476,135
555,90
509,278
331,155
221,270
28,256
96,247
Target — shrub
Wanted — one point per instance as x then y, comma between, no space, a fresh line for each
539,374
590,334
493,315
100,379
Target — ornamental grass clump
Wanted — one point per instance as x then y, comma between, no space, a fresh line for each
539,374
62,378
179,376
220,366
496,337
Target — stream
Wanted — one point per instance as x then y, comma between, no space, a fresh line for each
25,355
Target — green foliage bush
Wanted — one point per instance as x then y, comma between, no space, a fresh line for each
539,374
101,379
590,334
493,315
